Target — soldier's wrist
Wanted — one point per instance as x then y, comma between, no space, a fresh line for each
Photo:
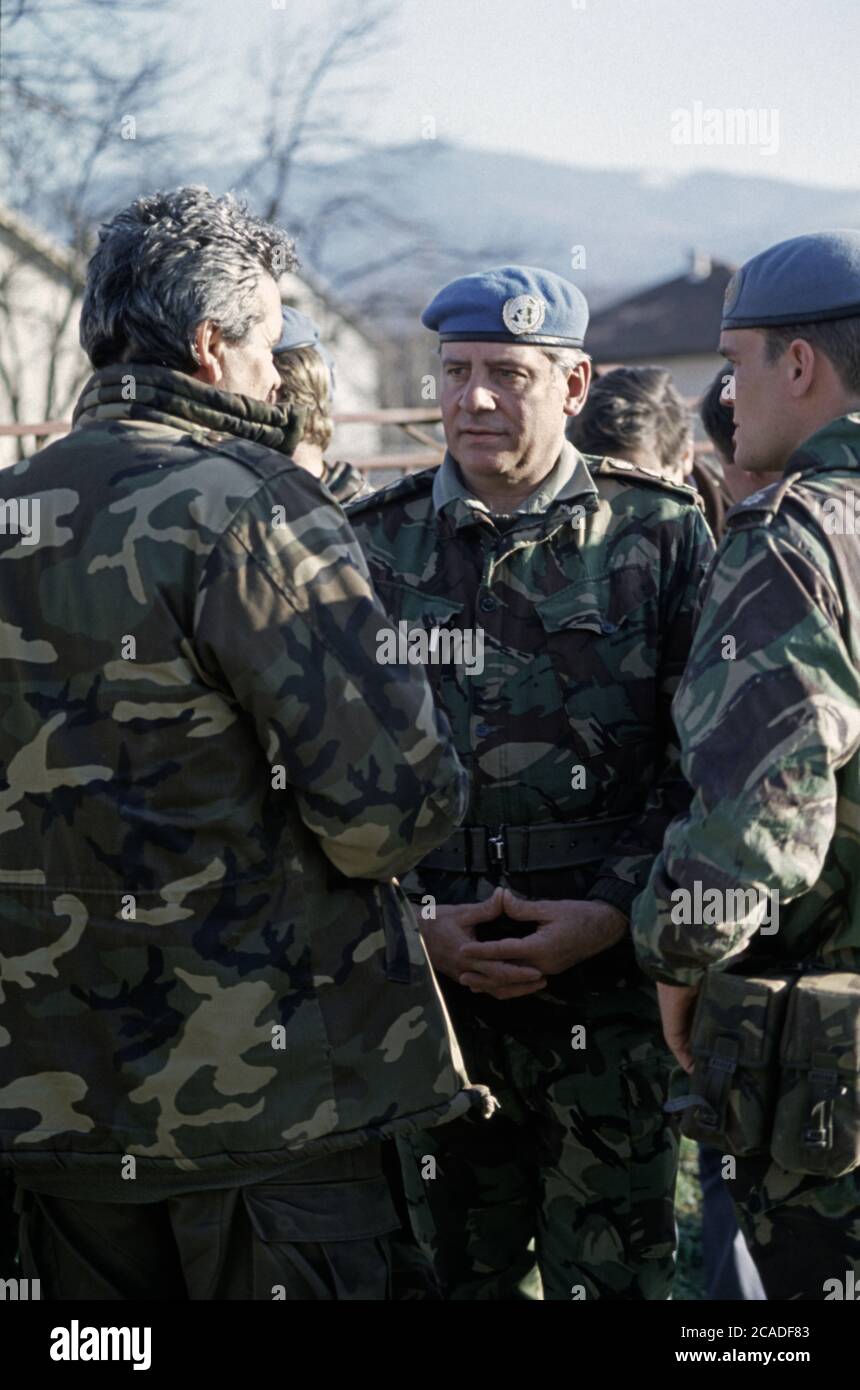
616,893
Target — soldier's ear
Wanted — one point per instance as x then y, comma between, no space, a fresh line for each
578,383
208,341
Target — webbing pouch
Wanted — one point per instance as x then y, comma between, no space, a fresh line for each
735,1045
816,1126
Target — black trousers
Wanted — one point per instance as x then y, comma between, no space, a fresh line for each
324,1237
8,1227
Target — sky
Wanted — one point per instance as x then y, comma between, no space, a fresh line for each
629,84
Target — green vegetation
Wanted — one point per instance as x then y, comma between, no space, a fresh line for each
689,1278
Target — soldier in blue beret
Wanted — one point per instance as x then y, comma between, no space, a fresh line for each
552,594
768,712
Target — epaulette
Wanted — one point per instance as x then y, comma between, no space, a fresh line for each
760,508
410,485
632,473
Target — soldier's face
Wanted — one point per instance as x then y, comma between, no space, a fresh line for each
503,409
248,368
763,402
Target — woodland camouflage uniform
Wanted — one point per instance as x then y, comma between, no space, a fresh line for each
771,743
208,784
585,597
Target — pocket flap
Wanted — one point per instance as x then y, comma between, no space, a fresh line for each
417,608
824,1020
321,1212
745,1009
587,607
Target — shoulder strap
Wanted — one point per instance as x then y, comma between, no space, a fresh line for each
411,485
631,473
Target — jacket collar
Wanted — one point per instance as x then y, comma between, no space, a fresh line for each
568,482
841,434
145,393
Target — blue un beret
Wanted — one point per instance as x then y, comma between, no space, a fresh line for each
300,331
804,280
509,304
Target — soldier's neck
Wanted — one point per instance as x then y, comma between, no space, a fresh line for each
502,495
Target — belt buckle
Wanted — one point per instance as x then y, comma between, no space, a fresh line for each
497,848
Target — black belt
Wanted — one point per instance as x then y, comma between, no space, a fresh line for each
522,849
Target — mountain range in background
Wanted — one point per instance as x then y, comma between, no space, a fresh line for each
611,232
450,209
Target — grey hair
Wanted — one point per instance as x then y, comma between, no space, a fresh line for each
565,358
167,262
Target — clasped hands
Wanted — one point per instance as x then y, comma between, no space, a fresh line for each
565,933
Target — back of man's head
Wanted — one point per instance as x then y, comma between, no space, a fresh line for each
634,413
306,382
717,417
166,263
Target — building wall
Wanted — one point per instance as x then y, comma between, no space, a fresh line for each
35,324
357,369
35,327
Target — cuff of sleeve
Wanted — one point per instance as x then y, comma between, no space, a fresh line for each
615,892
661,975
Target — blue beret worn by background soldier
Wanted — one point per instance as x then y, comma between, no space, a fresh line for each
755,900
583,586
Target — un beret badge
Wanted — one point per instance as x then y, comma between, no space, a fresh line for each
733,289
523,314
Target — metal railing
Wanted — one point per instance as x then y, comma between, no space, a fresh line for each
408,419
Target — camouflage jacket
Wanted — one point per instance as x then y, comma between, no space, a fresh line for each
345,482
585,600
207,783
768,713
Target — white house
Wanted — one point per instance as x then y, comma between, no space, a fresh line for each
675,324
42,367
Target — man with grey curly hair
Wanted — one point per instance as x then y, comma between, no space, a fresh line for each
188,281
216,1005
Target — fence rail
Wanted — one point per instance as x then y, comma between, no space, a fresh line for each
408,419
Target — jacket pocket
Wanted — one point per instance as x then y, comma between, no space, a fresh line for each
600,639
735,1045
424,628
415,607
817,1122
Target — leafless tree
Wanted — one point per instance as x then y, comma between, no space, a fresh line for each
81,85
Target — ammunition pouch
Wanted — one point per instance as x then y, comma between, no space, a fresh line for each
816,1127
735,1044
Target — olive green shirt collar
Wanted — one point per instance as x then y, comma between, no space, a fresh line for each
569,480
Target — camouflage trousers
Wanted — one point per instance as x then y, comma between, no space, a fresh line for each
802,1232
567,1192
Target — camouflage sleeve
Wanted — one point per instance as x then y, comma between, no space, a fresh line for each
624,873
768,711
286,623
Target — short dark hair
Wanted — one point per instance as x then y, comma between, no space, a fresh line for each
838,339
633,409
717,418
167,262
